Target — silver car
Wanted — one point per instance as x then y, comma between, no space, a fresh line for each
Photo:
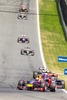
22,16
27,51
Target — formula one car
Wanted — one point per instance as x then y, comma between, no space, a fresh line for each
60,84
23,39
22,16
24,7
27,51
31,85
38,84
43,85
36,73
43,72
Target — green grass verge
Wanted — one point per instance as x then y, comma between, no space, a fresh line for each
53,40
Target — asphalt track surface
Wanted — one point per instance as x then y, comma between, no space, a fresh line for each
14,66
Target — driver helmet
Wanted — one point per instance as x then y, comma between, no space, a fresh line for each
43,70
37,78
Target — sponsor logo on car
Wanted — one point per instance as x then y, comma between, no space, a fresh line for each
29,85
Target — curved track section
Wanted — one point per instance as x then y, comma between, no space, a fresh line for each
13,65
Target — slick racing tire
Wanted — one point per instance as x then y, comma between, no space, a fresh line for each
63,84
21,84
24,17
35,74
52,89
27,41
18,40
19,17
22,52
32,53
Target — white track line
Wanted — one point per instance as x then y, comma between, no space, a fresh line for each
41,52
64,90
40,45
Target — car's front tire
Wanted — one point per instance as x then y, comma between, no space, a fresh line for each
22,52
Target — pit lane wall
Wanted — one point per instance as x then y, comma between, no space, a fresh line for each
62,8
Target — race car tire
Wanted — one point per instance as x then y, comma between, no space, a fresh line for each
24,17
35,74
63,84
32,53
21,83
22,52
19,17
27,41
18,40
52,89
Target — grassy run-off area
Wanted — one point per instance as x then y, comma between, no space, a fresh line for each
52,35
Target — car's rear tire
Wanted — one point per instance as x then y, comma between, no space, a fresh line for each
22,52
27,41
18,40
32,53
52,89
63,84
21,84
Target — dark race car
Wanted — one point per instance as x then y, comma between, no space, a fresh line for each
60,84
27,51
24,7
44,73
23,39
38,84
